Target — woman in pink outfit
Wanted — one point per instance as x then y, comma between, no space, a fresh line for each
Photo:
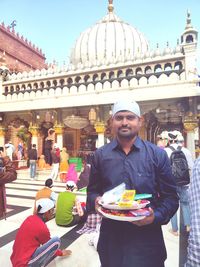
72,174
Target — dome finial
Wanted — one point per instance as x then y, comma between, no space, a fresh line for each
188,23
110,6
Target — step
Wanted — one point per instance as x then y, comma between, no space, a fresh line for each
40,174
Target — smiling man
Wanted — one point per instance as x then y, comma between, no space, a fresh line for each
144,167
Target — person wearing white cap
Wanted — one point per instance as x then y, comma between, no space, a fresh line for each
176,141
162,139
46,192
33,245
65,205
141,166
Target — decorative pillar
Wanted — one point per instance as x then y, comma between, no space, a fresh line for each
2,135
59,133
100,129
190,123
34,130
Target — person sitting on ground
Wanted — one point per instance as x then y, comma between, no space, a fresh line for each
65,206
92,227
42,163
33,245
72,174
46,192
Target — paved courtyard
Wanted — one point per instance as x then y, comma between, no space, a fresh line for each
20,199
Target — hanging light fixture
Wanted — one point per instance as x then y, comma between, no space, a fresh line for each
47,116
92,116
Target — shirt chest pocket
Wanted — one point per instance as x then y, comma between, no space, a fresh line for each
145,179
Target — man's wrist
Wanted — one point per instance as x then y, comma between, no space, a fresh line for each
97,202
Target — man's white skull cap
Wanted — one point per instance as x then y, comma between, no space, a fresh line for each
45,204
126,105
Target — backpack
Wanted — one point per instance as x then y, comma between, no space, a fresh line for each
180,169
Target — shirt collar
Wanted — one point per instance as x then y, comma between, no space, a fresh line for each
41,217
136,145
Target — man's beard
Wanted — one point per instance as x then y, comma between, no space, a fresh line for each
126,135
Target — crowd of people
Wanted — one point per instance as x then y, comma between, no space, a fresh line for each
174,141
165,170
33,246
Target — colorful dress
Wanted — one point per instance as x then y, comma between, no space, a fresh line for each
64,166
72,174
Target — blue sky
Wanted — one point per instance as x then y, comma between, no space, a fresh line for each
54,25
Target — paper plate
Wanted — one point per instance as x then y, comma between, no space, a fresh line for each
117,207
120,218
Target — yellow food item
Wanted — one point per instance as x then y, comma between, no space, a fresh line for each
127,198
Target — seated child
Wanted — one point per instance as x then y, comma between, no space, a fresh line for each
41,162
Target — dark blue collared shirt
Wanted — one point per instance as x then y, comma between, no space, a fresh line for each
146,169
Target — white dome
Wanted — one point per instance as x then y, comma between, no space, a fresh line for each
108,40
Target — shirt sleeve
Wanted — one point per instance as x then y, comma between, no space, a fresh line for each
10,173
58,252
53,197
167,202
44,234
94,188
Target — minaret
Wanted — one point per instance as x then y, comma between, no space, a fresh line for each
189,43
190,35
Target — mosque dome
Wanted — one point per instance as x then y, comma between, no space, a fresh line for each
108,40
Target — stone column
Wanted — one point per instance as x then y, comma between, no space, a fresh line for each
190,123
2,135
100,129
34,131
59,133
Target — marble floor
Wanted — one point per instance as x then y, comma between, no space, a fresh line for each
20,199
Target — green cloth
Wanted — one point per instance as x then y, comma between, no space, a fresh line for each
83,190
77,162
64,207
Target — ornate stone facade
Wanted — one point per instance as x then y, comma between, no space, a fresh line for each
21,54
164,82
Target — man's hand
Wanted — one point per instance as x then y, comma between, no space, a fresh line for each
2,154
97,200
66,252
147,220
6,160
